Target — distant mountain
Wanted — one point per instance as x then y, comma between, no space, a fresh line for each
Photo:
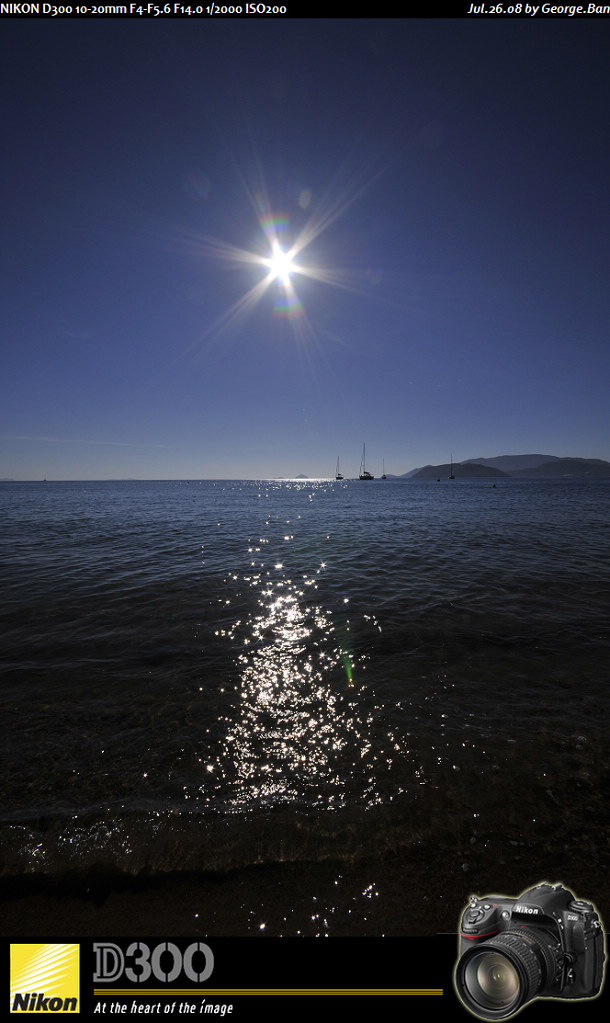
581,467
514,463
463,470
521,466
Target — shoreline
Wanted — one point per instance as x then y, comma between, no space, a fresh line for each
417,893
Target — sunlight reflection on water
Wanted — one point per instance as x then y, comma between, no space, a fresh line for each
297,734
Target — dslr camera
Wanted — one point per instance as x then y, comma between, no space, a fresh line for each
543,944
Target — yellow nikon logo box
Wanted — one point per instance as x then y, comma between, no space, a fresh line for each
45,978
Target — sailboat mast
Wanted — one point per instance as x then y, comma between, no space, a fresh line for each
364,475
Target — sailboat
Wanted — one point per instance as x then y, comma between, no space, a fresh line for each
338,475
364,475
383,475
451,476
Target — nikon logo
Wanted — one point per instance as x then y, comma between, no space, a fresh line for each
526,909
39,1002
45,978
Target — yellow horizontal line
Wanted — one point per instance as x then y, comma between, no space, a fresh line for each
229,992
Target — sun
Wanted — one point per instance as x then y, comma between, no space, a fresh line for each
280,264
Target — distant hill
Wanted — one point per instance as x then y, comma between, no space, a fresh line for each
521,466
514,463
581,467
463,470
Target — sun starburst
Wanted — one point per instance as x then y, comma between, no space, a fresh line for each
281,264
283,253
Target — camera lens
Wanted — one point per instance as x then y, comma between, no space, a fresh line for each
492,980
497,977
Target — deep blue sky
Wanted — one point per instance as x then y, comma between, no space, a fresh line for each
459,170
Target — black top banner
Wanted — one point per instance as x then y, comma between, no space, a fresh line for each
305,9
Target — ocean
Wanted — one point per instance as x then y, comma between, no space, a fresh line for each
297,678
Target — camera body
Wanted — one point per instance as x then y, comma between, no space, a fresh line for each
545,943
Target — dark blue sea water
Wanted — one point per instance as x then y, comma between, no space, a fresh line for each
210,675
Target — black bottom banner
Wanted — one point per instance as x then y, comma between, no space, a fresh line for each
241,977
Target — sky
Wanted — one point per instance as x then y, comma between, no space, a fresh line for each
437,191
